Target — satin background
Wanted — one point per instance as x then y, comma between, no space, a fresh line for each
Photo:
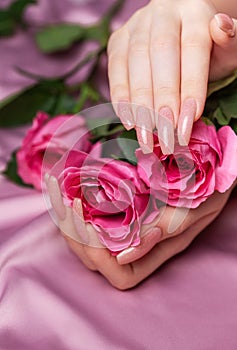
49,300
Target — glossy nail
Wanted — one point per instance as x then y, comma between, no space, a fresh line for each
125,114
56,197
186,119
165,128
148,241
79,221
226,24
144,129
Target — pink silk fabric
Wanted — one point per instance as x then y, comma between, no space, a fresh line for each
49,300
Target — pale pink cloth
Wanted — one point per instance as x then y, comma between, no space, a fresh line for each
49,300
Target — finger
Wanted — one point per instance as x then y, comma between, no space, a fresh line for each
222,27
118,76
172,222
78,249
223,33
87,232
195,58
140,83
165,63
55,197
148,241
175,218
79,222
166,250
160,253
120,277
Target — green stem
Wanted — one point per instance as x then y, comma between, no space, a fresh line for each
113,11
91,56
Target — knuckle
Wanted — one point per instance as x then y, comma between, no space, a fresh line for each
161,43
199,43
113,39
191,84
142,91
124,283
165,90
119,92
115,60
138,48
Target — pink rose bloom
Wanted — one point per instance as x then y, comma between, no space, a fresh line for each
57,135
114,199
190,175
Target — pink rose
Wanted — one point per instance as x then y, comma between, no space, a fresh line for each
114,199
57,135
190,175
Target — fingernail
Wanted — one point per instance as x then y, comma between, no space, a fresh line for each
56,198
144,129
226,24
79,221
151,238
165,127
125,114
46,177
186,119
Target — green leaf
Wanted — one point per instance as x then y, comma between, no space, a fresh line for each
229,105
17,8
221,84
59,37
22,108
220,117
207,121
128,144
7,25
98,127
64,104
233,125
98,33
11,172
12,16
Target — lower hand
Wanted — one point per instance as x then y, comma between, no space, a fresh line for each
129,268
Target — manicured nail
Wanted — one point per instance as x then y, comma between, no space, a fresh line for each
125,114
186,119
46,177
56,198
148,241
226,24
165,127
79,221
144,129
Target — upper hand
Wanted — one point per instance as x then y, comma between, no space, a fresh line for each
160,59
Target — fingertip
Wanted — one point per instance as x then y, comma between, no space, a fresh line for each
187,116
125,114
144,129
222,29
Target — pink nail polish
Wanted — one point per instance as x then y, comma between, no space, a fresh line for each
125,114
186,119
148,241
225,23
144,129
165,127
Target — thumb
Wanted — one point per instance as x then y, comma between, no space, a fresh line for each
170,222
223,30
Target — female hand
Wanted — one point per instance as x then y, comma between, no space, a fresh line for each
159,61
132,266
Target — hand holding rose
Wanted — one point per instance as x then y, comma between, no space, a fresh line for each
127,270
